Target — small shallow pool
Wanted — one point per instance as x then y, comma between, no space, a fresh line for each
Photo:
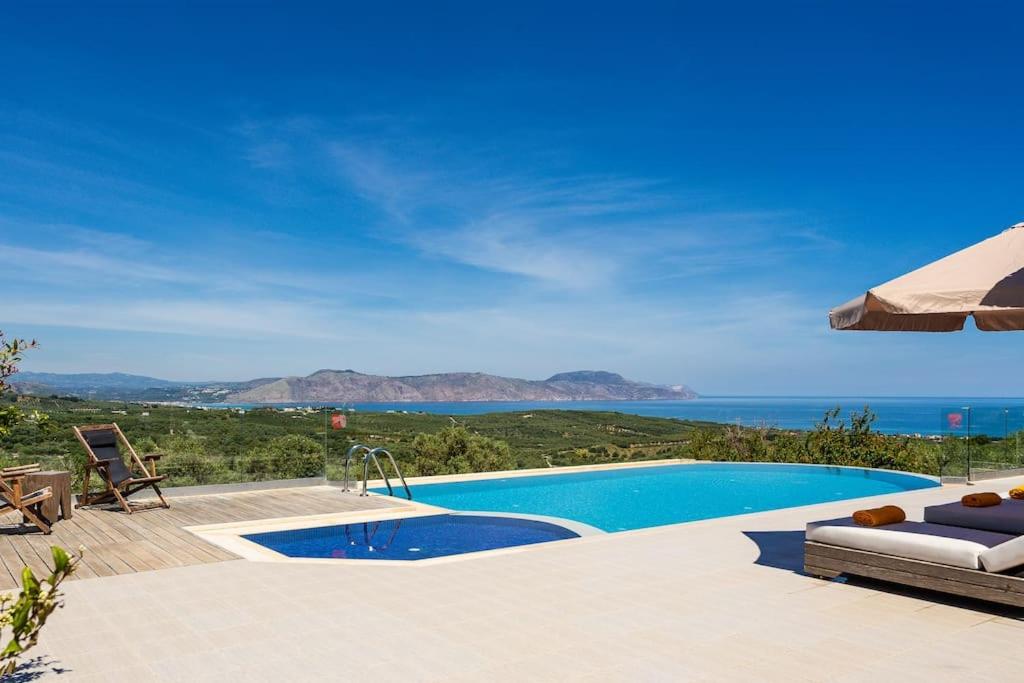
625,498
411,538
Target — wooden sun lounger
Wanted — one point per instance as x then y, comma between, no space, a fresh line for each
829,561
105,458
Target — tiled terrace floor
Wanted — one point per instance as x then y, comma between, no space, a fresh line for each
718,600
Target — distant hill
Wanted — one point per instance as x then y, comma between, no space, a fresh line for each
348,385
125,387
91,381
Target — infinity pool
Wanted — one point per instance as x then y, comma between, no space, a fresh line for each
637,497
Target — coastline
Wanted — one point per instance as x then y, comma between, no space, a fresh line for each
921,417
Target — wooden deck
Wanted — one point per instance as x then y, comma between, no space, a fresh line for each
117,543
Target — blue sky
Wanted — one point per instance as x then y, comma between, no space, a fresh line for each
675,192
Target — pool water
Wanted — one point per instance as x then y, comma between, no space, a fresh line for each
411,538
638,497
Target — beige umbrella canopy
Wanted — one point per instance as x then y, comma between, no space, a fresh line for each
985,280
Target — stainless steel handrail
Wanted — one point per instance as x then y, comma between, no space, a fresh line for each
372,455
370,533
348,461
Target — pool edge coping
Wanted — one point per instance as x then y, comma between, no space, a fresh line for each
581,469
230,536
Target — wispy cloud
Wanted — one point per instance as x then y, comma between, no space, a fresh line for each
276,320
577,232
98,260
392,250
461,204
273,154
78,264
507,246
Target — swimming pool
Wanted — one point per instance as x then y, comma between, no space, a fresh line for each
411,538
620,499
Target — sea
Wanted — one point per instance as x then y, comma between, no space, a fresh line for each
996,417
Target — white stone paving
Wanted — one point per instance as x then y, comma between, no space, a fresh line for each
718,600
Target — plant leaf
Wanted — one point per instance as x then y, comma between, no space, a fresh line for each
60,560
29,582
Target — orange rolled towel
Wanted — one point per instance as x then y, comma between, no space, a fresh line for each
887,514
981,500
1017,493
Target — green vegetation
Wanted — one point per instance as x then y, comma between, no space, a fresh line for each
455,450
11,415
228,446
23,617
834,441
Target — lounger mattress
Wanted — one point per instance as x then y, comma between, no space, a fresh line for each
1007,518
954,546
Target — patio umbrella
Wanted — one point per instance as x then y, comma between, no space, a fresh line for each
985,280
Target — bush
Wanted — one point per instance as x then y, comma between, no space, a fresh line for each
834,441
286,457
455,450
191,469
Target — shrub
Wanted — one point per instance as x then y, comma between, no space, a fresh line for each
191,469
455,450
285,457
834,441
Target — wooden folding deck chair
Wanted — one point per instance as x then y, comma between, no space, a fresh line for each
12,495
101,443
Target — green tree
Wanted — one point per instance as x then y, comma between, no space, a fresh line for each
836,442
194,469
186,460
456,450
833,441
10,355
292,456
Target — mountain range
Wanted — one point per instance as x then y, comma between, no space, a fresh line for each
351,386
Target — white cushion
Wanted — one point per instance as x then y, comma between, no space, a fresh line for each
954,546
1006,518
1004,556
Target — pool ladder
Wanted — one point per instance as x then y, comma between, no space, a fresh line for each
370,532
373,455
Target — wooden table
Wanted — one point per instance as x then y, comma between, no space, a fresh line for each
58,506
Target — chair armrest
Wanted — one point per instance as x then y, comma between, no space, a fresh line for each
18,472
152,456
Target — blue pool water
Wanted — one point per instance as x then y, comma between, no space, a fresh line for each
412,538
634,498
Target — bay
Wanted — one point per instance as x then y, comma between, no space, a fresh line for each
926,416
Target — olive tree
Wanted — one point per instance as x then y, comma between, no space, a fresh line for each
456,450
